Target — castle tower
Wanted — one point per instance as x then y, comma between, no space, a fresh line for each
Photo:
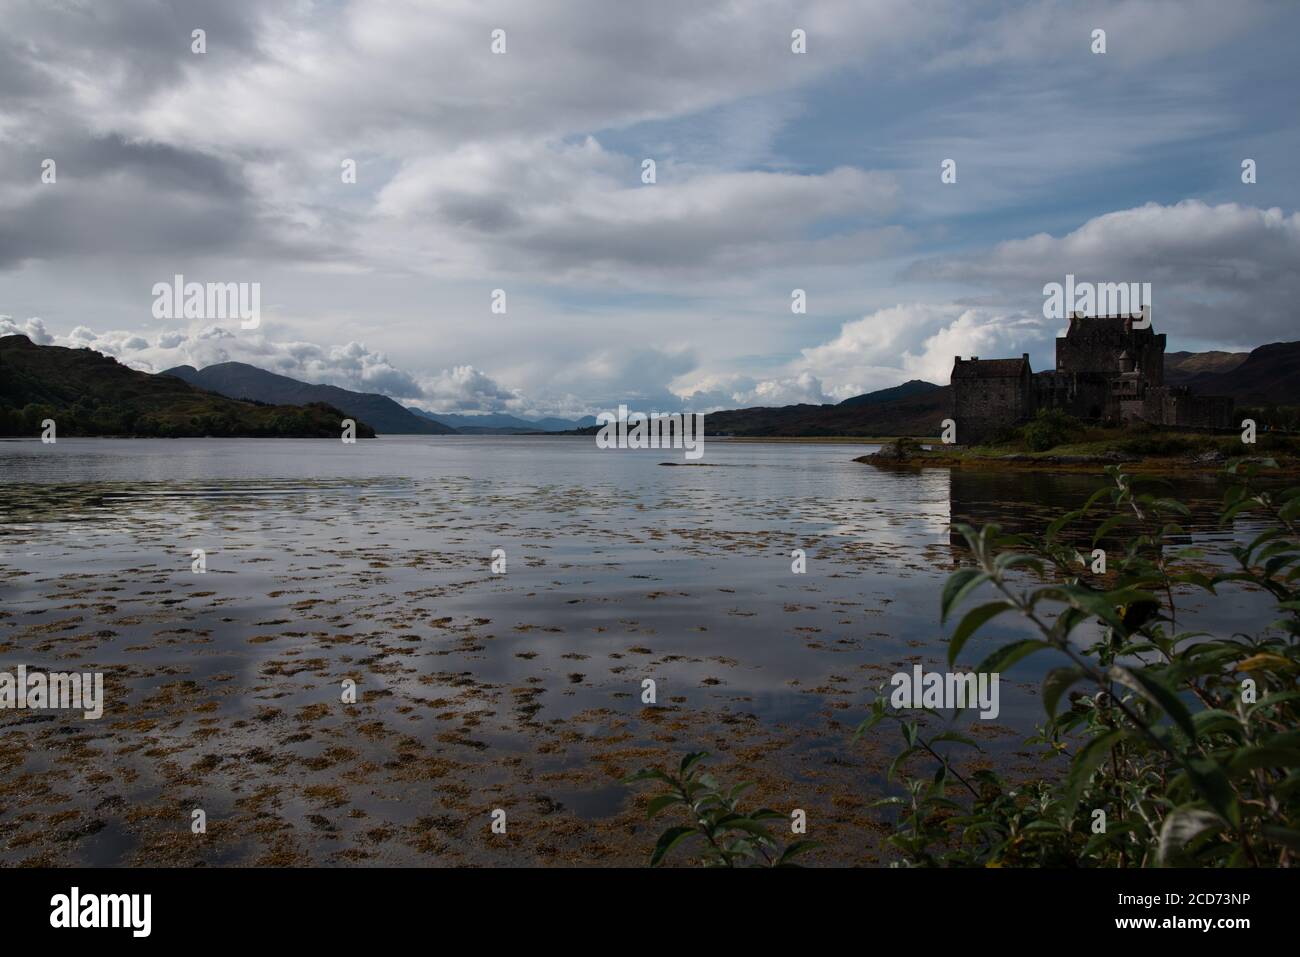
990,395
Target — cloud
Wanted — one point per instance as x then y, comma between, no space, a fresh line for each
162,152
466,389
916,341
1205,263
876,351
33,329
577,211
737,391
350,366
522,172
1047,32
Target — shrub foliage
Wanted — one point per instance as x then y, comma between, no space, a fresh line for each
1161,746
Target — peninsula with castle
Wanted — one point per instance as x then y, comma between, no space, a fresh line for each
1106,400
1109,370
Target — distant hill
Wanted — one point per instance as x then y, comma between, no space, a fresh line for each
912,387
913,408
1269,375
88,393
239,380
915,414
498,423
1181,368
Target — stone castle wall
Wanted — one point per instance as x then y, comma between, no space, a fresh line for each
988,406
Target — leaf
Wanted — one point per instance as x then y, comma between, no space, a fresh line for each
1181,826
1282,835
1108,526
1079,599
647,774
959,584
1216,721
1010,560
748,825
1056,526
1049,826
886,802
1085,762
868,724
1213,784
690,759
739,789
898,759
1141,681
971,623
1273,699
957,737
1262,756
667,841
798,847
1265,662
1056,683
662,801
1008,655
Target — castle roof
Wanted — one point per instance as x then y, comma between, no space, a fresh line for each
1084,327
990,368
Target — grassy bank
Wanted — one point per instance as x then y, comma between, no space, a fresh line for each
826,439
1054,441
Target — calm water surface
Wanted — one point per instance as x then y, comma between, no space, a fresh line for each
371,562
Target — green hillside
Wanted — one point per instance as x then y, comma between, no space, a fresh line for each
87,393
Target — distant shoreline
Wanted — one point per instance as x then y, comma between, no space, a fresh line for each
822,439
1023,462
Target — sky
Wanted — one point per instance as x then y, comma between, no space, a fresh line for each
522,171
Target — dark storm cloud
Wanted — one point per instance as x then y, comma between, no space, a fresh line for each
143,199
117,194
140,44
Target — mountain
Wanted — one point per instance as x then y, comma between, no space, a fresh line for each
501,424
552,424
919,411
239,380
913,387
87,393
913,408
1182,368
1269,375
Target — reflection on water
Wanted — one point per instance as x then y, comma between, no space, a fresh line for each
1023,502
371,563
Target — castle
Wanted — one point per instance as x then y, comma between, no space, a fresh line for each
1107,370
